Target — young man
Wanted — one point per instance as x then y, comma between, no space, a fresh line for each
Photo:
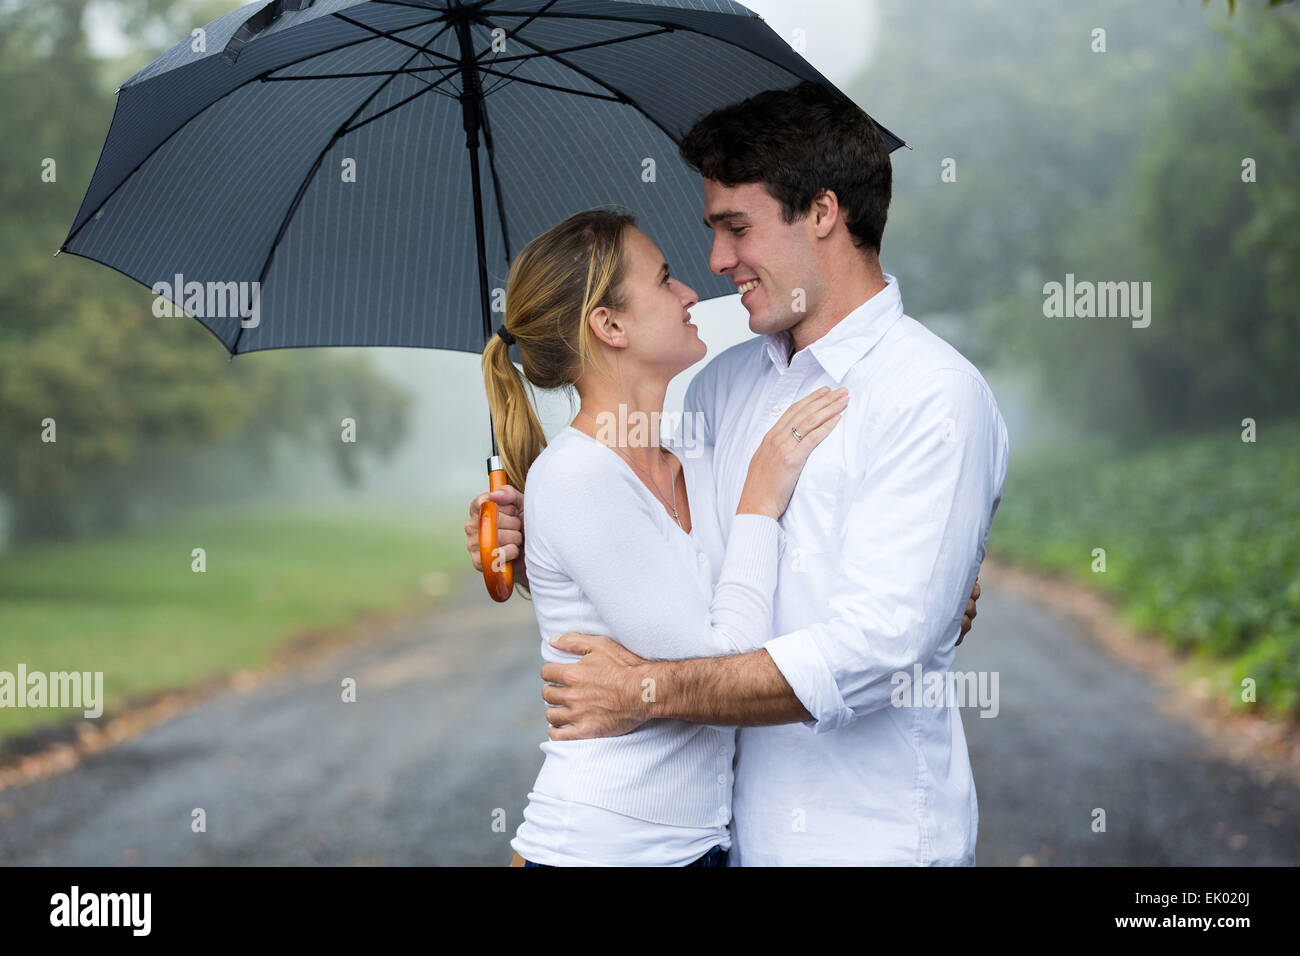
884,535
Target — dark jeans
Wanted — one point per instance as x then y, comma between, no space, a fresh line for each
715,857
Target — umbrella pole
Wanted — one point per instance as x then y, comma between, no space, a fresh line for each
500,583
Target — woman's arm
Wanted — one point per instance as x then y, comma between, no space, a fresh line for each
588,521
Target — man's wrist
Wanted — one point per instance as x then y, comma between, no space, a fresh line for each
652,679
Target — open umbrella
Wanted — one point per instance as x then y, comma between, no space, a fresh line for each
361,172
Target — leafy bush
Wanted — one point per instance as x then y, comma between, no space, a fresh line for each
1202,541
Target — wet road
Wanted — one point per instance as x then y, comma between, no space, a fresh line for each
432,763
440,744
1078,731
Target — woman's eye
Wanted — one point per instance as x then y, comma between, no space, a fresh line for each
667,279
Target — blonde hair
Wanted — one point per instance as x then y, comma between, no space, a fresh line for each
554,283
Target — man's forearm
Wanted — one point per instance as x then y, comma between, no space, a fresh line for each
745,690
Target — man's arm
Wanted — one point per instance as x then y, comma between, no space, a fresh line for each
745,689
611,691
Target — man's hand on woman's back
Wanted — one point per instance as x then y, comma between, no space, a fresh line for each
969,617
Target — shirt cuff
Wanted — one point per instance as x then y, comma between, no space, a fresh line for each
754,548
801,663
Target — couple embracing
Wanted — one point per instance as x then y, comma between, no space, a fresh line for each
723,621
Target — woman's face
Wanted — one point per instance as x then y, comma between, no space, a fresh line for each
660,335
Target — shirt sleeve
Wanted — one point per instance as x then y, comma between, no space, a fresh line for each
911,546
594,526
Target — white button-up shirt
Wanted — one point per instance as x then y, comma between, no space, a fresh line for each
884,537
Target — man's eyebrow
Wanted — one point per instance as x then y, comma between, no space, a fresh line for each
717,217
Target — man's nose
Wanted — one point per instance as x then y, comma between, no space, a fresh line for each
721,257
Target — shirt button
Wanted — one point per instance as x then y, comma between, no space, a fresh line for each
703,559
722,751
722,811
722,779
776,409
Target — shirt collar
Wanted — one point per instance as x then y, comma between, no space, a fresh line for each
850,339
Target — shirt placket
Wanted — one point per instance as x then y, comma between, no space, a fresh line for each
780,395
723,767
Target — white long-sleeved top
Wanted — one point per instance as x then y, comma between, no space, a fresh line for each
605,557
885,534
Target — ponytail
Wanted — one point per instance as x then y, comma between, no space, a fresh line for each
519,432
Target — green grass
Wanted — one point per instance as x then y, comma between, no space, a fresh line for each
132,607
1202,542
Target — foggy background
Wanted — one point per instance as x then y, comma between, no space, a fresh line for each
1161,151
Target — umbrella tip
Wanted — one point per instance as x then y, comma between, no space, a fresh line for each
116,91
58,250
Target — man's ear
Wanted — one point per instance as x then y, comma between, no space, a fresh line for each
825,213
606,325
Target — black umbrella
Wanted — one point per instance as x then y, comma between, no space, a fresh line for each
337,172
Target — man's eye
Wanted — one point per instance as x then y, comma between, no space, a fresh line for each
738,231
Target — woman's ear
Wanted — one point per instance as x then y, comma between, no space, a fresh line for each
606,325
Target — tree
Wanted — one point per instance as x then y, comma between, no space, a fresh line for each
79,344
1122,167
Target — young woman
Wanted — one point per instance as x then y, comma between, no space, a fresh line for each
623,536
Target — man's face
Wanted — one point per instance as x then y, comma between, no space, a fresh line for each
764,256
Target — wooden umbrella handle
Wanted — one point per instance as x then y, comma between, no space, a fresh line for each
500,584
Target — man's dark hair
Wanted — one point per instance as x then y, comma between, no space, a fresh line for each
798,142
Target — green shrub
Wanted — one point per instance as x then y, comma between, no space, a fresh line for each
1202,541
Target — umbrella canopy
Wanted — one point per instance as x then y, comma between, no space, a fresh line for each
318,148
361,172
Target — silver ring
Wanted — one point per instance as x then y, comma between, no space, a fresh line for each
797,436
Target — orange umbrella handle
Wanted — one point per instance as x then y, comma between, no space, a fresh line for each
498,575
